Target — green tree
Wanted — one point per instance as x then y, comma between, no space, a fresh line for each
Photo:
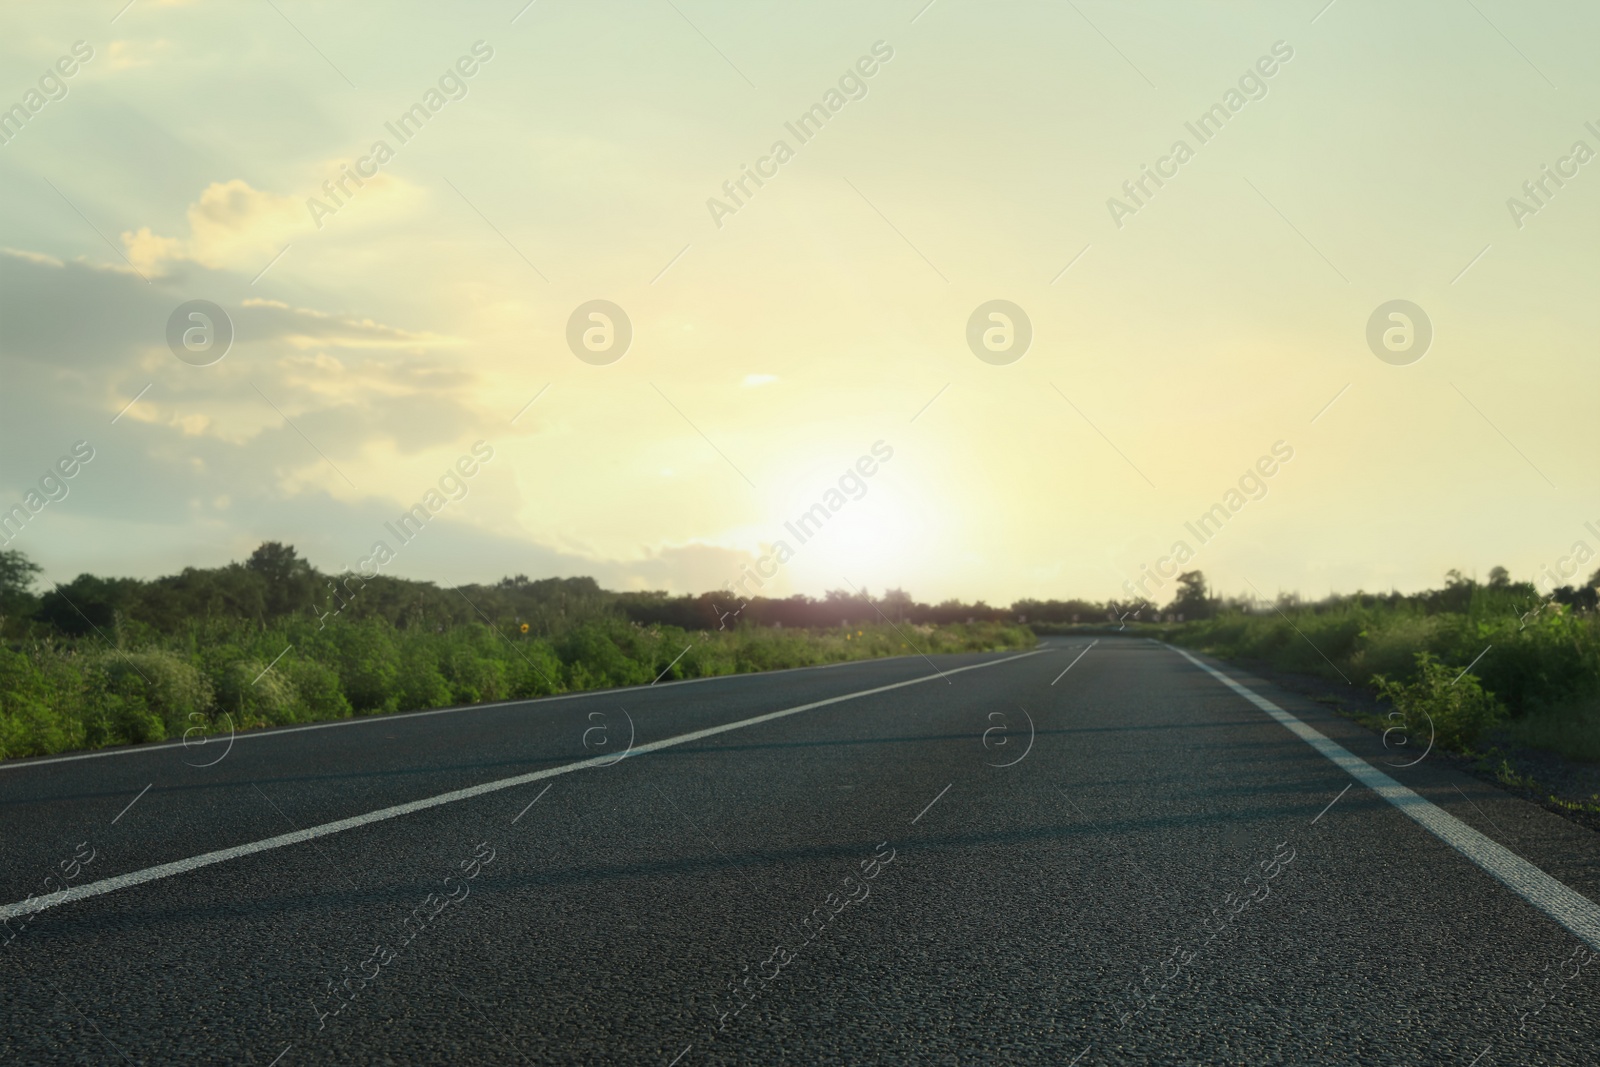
291,581
897,604
17,573
88,604
1193,599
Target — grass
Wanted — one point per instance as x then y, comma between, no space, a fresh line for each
1571,728
60,695
1533,681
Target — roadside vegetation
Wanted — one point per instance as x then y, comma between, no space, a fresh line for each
270,641
1485,663
267,642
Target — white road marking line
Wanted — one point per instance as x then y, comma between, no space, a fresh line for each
1074,663
167,870
931,803
131,803
365,720
1485,814
1571,909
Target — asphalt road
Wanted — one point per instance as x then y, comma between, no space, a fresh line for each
1129,862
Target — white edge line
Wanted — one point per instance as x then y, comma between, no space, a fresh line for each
277,731
1573,910
167,870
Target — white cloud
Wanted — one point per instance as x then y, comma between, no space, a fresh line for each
125,55
234,226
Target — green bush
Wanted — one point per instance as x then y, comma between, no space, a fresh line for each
31,719
472,659
146,695
214,675
251,695
1456,706
418,681
1541,670
1389,644
592,656
369,664
534,670
316,684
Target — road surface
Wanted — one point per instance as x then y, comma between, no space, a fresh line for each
1092,853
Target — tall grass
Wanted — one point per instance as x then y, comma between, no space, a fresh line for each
1544,668
58,695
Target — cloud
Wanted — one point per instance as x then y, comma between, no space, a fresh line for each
125,55
33,257
81,341
82,316
234,226
231,226
308,328
691,568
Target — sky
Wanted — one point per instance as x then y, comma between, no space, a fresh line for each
1180,332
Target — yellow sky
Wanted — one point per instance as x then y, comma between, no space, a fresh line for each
771,351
